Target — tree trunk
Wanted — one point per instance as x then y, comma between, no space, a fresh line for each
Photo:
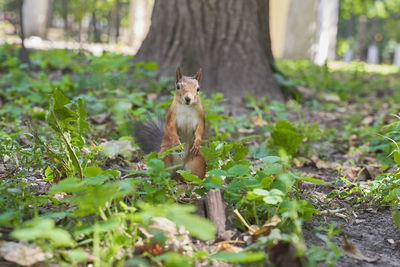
139,21
117,20
49,22
96,34
362,36
23,52
35,16
65,17
327,26
228,39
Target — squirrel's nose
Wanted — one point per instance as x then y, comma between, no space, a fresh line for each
187,99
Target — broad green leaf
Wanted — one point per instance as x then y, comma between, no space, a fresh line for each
271,159
286,136
8,217
43,229
261,192
102,227
82,124
396,217
197,226
272,199
190,177
92,171
68,185
238,171
173,259
218,173
48,173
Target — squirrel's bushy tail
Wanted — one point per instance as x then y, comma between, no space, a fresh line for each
148,134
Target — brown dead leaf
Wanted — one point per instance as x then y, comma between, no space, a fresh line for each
350,171
22,254
153,249
226,246
367,120
324,165
268,225
258,121
352,251
330,97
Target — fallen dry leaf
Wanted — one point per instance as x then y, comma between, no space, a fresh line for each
268,225
153,249
226,246
258,121
352,251
350,171
330,212
22,254
367,120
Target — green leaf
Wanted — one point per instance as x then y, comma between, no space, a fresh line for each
190,177
218,173
311,180
396,217
238,257
92,171
172,259
272,200
43,229
82,124
261,192
271,197
271,159
102,227
77,255
68,185
238,171
150,65
8,217
48,173
286,136
197,226
396,157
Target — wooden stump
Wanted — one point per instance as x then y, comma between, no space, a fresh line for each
215,210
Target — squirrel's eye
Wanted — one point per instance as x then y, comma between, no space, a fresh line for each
198,89
178,86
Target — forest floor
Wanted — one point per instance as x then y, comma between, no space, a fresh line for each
343,161
369,226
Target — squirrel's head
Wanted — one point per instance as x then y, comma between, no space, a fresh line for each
187,88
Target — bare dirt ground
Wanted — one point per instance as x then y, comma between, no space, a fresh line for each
370,230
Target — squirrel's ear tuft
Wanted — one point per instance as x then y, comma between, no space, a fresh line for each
179,74
198,75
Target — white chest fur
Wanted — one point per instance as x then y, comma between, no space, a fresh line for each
186,123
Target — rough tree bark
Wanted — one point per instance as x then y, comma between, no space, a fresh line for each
228,39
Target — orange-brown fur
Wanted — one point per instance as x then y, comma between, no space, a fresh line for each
185,123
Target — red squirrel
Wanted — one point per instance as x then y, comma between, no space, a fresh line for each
185,124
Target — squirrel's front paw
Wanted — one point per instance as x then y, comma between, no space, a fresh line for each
178,144
195,150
